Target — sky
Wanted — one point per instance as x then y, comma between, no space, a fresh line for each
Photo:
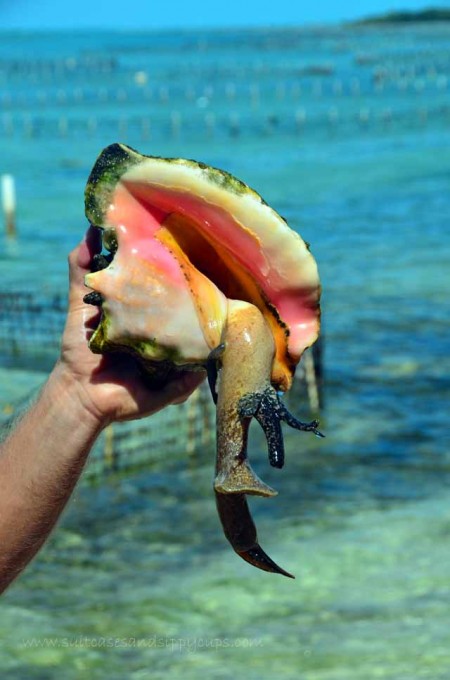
154,14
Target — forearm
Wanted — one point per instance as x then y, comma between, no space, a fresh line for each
40,463
42,459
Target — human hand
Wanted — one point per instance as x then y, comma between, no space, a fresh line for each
109,387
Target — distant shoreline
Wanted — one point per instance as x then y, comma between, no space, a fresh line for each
430,15
406,16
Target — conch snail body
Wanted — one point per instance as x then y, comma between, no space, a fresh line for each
202,273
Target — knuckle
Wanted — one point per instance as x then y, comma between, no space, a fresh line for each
72,257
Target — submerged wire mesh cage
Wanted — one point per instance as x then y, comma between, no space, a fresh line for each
31,324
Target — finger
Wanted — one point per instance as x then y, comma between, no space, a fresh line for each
180,388
149,401
81,257
90,246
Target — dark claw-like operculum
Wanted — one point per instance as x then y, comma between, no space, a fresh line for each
269,411
268,417
239,529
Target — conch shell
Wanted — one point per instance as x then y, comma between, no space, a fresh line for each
199,272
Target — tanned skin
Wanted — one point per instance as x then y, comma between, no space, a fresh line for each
43,457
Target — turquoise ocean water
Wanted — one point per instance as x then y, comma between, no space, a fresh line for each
345,131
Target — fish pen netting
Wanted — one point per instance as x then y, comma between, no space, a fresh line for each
31,324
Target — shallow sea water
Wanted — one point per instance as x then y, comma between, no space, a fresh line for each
137,580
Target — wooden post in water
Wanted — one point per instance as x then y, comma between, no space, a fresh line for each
145,128
296,90
234,125
310,376
192,417
92,125
108,451
364,116
317,352
8,124
164,94
210,122
28,127
333,116
8,191
123,127
63,126
175,123
337,87
300,118
280,91
311,382
355,86
230,91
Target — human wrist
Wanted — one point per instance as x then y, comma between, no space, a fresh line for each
67,389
